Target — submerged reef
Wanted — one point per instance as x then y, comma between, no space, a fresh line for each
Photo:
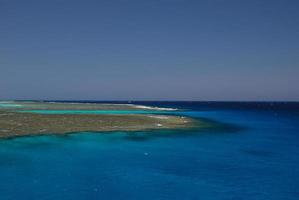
21,118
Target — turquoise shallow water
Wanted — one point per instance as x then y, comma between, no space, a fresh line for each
259,161
9,105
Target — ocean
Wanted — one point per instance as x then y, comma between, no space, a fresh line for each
259,159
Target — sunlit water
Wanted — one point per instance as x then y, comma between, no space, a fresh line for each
260,160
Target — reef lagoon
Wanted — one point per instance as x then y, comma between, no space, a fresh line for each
252,154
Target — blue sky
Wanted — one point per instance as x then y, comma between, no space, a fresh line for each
149,50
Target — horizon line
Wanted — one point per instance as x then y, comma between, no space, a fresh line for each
215,101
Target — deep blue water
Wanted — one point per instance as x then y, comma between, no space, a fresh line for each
258,161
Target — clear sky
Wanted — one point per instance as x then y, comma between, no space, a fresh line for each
149,50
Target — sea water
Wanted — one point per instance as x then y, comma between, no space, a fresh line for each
259,160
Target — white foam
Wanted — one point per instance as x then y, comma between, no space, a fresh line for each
151,107
158,116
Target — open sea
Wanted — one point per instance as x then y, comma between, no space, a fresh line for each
256,160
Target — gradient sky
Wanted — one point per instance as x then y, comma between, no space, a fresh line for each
149,50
